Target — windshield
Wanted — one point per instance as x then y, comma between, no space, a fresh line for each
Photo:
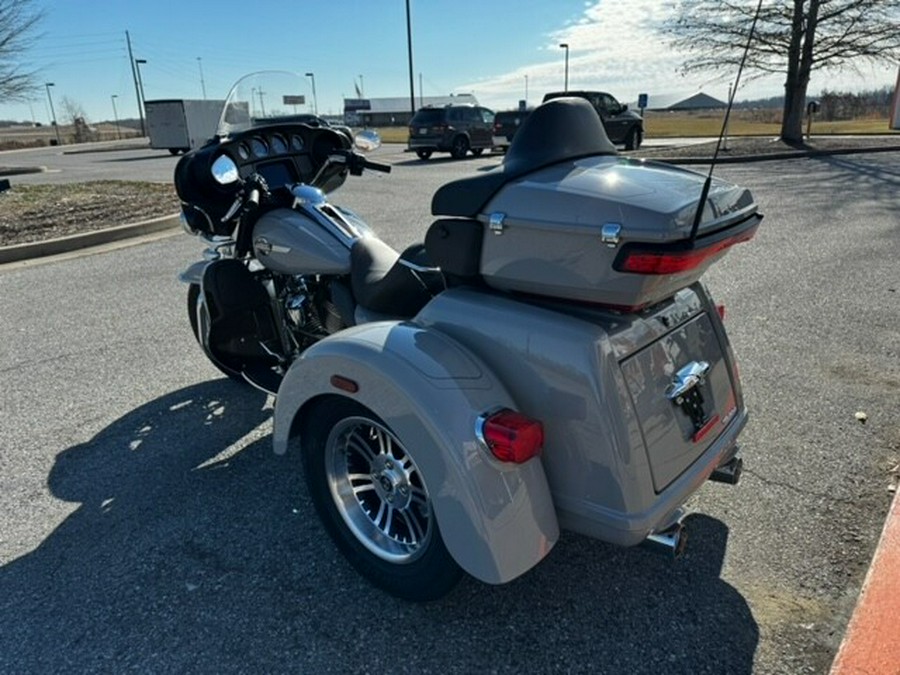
265,98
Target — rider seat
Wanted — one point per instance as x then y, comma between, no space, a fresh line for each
381,281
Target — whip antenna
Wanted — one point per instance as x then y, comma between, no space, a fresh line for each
704,193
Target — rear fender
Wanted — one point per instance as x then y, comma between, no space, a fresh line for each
497,519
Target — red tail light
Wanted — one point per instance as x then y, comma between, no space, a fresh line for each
647,259
720,308
511,436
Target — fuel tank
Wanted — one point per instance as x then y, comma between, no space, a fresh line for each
290,242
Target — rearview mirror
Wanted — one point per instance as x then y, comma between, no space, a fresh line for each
367,140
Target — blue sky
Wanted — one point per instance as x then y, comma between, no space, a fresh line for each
492,48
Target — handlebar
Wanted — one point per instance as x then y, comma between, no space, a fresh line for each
376,166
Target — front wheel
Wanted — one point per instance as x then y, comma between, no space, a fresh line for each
423,154
373,501
633,139
193,307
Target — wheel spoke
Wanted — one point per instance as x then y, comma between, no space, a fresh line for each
416,531
361,447
389,516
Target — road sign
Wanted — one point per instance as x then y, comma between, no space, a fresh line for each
293,100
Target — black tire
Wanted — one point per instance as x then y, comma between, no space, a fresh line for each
477,151
192,299
459,147
633,139
355,466
423,154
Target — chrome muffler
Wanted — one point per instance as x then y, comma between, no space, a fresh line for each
729,472
670,542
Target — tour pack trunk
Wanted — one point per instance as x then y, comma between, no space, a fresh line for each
610,231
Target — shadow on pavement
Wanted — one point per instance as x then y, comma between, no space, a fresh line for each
192,550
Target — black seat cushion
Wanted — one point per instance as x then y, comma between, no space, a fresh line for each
562,129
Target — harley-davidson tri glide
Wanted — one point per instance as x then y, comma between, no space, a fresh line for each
547,358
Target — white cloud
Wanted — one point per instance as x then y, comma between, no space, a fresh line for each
614,46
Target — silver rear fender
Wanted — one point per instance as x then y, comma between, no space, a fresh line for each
497,519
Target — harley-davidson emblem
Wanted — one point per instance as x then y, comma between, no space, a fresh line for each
264,247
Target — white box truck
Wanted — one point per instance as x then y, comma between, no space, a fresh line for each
180,125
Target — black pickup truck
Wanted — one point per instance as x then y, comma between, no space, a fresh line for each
623,126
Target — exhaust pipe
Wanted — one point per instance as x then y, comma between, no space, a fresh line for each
730,472
670,542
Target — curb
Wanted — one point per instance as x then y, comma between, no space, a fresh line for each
792,154
39,249
871,643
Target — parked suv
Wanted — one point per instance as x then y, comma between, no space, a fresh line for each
623,126
506,124
454,128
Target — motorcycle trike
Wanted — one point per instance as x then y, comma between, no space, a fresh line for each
548,357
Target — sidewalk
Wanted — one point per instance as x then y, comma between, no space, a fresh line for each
872,642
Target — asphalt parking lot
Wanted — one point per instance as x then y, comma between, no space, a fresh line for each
147,526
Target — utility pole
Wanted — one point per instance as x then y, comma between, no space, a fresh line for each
137,91
312,77
137,64
202,83
566,47
412,92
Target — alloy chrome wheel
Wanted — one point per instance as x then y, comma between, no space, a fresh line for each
372,500
378,490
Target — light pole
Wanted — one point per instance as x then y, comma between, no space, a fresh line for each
312,77
526,92
565,45
137,63
53,112
202,83
116,116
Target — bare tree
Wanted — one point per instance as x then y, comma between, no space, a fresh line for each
71,110
794,37
18,21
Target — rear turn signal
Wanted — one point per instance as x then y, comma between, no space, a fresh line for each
662,259
510,436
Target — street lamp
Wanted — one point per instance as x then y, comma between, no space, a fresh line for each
565,45
315,100
53,112
526,92
116,116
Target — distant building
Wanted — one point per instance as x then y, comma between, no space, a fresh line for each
667,102
698,102
386,112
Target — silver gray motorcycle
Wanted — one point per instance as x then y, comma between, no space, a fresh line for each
547,358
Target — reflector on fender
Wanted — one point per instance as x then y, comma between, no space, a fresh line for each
510,436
